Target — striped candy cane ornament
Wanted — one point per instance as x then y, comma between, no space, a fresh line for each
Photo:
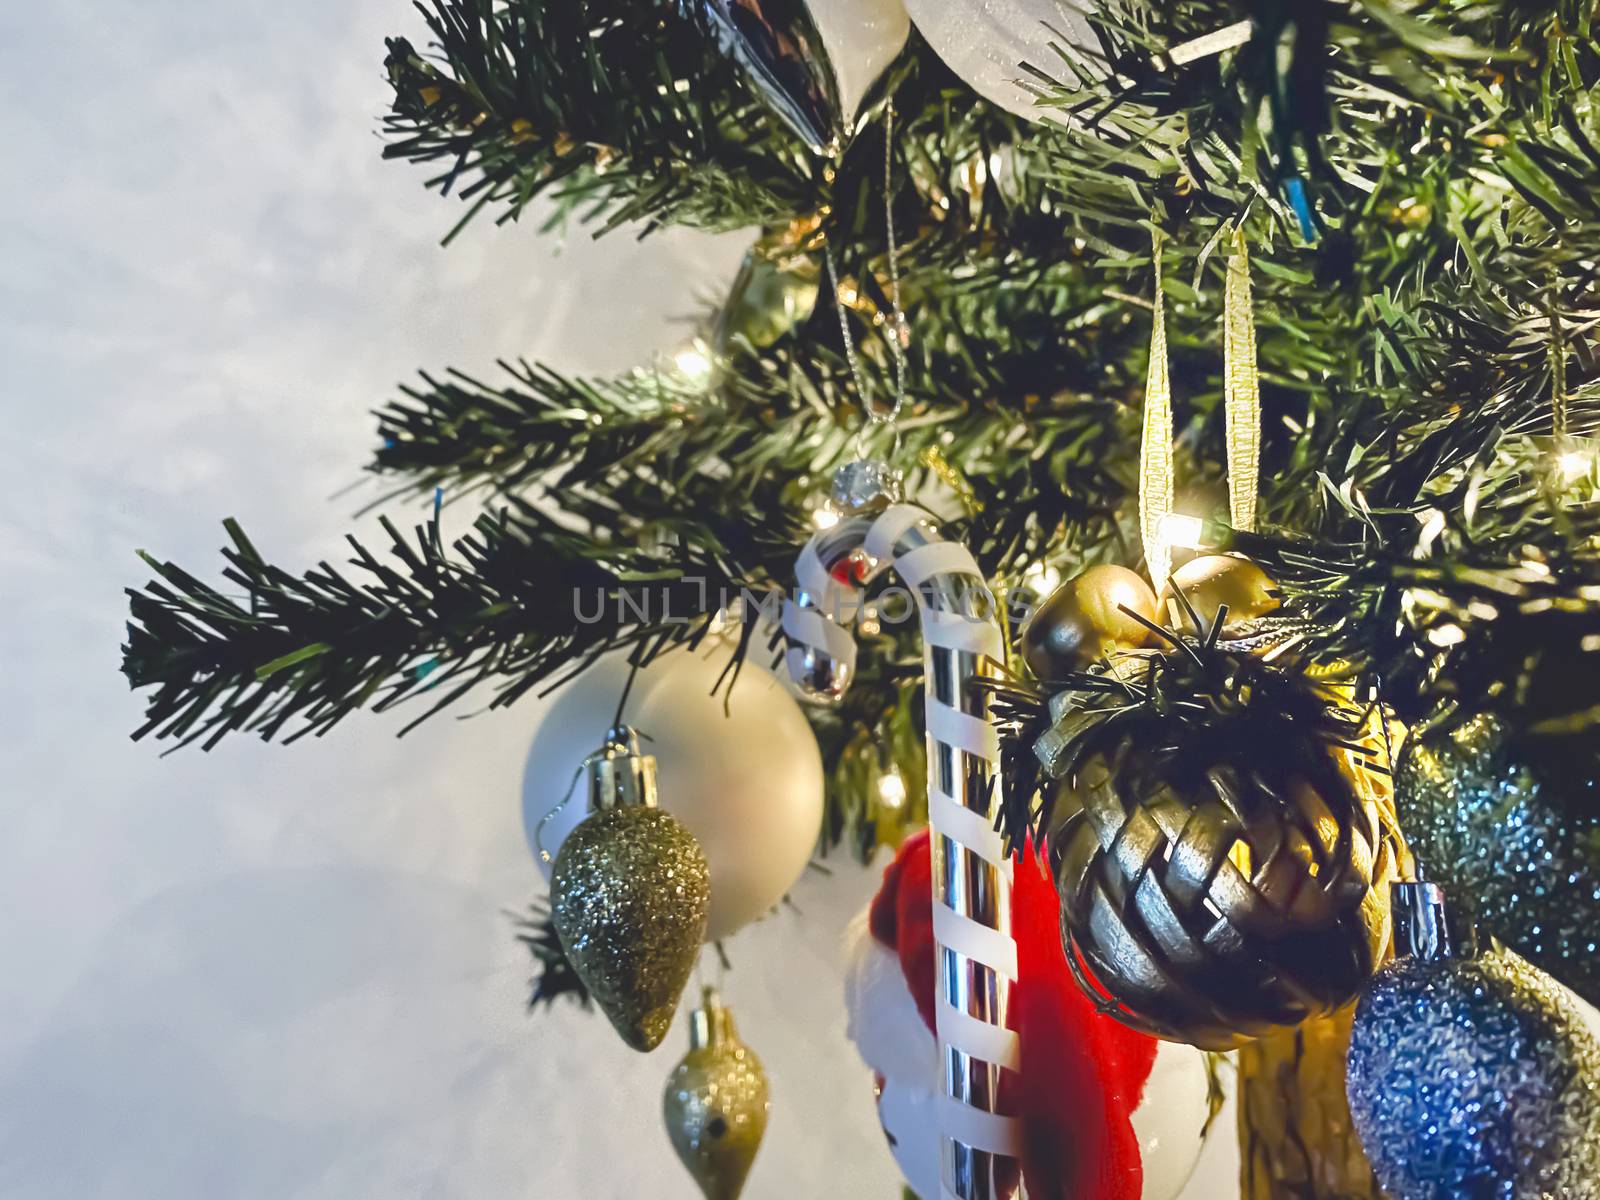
971,875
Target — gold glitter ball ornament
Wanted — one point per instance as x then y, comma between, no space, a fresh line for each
630,894
715,1104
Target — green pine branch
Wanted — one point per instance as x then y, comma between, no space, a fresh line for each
291,654
1451,153
621,111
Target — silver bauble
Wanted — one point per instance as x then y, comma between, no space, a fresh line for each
986,43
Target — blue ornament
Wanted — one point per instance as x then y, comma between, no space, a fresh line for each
1472,1077
1513,834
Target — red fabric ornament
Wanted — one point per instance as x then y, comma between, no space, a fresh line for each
1082,1074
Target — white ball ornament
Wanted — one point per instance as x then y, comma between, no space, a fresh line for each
1171,1118
746,780
985,42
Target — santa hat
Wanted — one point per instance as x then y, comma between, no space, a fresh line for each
1083,1075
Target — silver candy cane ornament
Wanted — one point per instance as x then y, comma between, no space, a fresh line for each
977,961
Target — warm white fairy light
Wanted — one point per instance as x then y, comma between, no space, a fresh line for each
891,790
1042,577
693,362
1181,531
824,517
1574,464
869,624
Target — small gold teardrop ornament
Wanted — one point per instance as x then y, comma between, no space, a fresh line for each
715,1104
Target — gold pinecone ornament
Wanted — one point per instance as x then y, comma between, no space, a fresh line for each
715,1104
630,894
1215,852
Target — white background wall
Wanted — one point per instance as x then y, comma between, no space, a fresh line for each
281,973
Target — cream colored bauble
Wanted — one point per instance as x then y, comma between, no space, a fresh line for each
1171,1119
746,781
985,42
862,37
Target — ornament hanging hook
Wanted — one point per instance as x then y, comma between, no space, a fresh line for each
620,774
538,830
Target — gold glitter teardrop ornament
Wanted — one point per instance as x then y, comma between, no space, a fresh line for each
630,894
715,1104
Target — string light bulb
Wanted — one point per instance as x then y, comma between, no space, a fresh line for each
891,790
1042,577
1186,533
693,362
1573,465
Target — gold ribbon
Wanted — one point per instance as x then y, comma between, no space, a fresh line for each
1155,448
1242,409
1242,389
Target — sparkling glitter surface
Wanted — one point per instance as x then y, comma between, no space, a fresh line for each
1476,1080
1515,842
630,893
715,1108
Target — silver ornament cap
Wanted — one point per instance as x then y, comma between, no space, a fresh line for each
621,775
1426,926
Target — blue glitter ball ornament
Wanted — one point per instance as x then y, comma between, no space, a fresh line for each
1474,1078
1512,831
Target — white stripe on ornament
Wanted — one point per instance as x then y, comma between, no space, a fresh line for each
980,1130
958,631
819,632
978,1038
963,731
961,824
990,947
918,566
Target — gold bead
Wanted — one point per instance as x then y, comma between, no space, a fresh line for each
1212,580
1083,621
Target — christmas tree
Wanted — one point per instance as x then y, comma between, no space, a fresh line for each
1308,284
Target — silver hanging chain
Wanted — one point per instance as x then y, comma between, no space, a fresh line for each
899,331
899,326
